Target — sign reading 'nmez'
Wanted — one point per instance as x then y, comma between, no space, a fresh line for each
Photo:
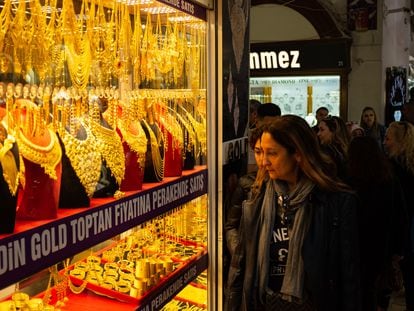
274,60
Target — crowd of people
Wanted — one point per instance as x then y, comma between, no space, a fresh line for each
326,221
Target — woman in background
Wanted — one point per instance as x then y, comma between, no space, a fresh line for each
399,145
382,206
371,126
334,139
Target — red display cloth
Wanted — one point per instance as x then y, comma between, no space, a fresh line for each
88,300
40,197
134,173
173,161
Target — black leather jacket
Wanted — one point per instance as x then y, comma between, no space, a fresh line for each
330,255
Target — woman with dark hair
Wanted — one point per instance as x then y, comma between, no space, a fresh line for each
371,126
399,145
241,193
297,245
334,139
382,205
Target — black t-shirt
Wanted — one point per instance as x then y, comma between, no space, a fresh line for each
279,245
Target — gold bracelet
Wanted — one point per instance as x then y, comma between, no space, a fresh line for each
111,266
109,283
109,255
126,271
78,273
7,305
127,277
93,260
124,286
82,266
96,269
93,278
20,299
35,304
125,264
110,274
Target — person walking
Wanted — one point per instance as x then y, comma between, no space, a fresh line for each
298,247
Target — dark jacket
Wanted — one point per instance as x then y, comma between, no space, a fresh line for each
234,212
330,255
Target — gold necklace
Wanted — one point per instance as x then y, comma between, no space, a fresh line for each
84,158
8,163
137,142
110,146
47,157
5,18
77,46
136,45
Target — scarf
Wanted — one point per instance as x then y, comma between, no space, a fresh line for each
293,281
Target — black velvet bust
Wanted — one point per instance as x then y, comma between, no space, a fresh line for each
72,192
8,201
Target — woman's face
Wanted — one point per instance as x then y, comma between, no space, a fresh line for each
325,135
390,143
369,118
279,163
258,153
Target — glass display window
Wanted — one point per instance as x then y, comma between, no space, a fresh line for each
107,103
299,95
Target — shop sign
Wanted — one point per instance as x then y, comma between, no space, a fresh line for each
274,57
188,7
274,60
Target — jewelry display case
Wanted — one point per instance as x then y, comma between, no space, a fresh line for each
107,103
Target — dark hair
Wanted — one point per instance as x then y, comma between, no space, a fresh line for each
367,162
254,104
255,135
268,110
294,134
340,137
322,108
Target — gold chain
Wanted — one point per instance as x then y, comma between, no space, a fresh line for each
47,157
84,158
137,141
110,146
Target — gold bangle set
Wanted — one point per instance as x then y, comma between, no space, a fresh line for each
124,276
